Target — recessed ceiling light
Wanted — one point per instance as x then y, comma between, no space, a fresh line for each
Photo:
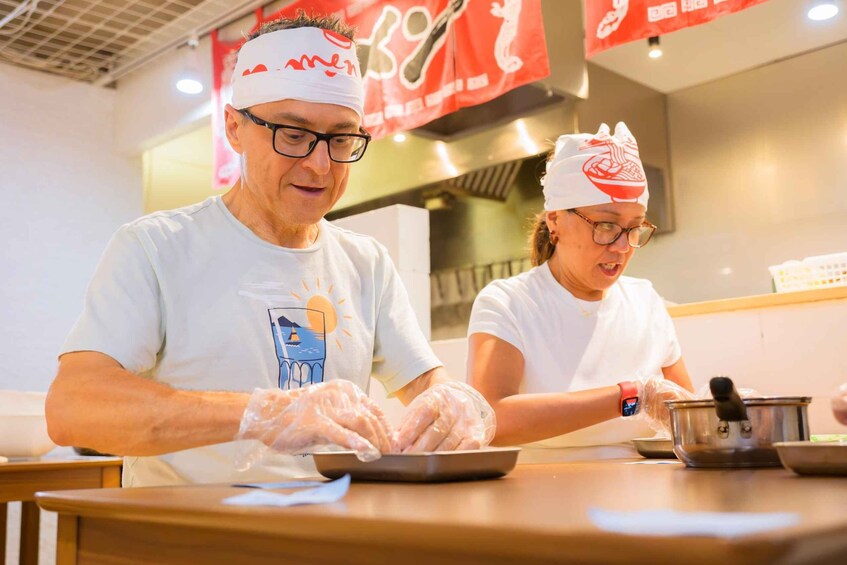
823,11
188,82
400,137
654,51
189,86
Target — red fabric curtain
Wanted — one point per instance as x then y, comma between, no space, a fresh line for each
614,22
420,60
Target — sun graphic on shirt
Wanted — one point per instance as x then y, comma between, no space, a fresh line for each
319,301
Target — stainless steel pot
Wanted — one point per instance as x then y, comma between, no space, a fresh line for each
728,431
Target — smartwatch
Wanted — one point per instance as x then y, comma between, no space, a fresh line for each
629,398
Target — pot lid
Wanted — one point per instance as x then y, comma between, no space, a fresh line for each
753,401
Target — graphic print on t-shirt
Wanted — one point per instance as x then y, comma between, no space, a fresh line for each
300,334
300,343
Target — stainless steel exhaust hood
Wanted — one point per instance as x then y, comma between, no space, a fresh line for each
474,143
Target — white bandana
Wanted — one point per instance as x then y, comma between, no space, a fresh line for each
587,170
307,63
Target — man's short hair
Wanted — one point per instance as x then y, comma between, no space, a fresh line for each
330,22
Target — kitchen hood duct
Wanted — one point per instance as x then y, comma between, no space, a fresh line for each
493,183
463,166
503,109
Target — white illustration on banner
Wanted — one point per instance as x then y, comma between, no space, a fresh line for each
477,82
662,12
612,20
510,11
414,67
416,22
694,5
374,119
375,58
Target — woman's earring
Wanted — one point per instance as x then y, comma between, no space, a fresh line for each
554,238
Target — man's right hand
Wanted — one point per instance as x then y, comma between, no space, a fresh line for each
335,413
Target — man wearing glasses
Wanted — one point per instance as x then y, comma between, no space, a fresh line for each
572,345
248,316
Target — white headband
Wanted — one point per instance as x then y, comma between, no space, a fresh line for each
587,170
306,63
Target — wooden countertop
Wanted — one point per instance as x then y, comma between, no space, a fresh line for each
759,301
537,513
58,464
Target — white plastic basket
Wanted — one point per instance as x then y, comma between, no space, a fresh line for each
820,271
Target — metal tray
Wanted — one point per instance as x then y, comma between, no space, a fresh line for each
813,458
654,447
438,466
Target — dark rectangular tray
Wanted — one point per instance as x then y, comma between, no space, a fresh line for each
437,466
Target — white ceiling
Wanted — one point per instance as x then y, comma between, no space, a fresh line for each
768,32
101,40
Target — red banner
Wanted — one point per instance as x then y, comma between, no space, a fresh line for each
614,22
420,60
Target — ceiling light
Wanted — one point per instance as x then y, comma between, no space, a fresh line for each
188,81
439,201
400,137
654,51
189,86
822,11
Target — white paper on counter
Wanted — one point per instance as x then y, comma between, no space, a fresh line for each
676,523
327,493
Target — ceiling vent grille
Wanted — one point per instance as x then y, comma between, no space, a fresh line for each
99,41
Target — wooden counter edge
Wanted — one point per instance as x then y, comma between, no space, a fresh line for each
472,539
760,301
58,464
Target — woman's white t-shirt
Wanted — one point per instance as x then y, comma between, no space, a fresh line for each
570,344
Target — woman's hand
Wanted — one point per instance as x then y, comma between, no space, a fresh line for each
654,392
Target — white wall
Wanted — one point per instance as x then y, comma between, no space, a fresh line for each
759,164
149,110
791,350
404,231
64,192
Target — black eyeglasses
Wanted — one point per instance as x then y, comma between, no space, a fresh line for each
606,233
297,142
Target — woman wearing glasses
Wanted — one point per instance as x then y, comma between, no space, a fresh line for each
573,344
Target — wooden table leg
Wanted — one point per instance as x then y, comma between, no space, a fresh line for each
30,518
66,539
2,532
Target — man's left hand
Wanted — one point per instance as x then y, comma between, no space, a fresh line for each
446,417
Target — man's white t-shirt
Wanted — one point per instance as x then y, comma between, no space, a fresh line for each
193,298
570,344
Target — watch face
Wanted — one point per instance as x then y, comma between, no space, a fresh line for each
629,406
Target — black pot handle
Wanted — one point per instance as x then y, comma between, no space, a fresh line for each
728,405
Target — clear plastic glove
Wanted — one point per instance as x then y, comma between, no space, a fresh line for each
654,392
446,417
331,414
839,404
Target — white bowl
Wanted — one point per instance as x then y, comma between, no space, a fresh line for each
23,427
